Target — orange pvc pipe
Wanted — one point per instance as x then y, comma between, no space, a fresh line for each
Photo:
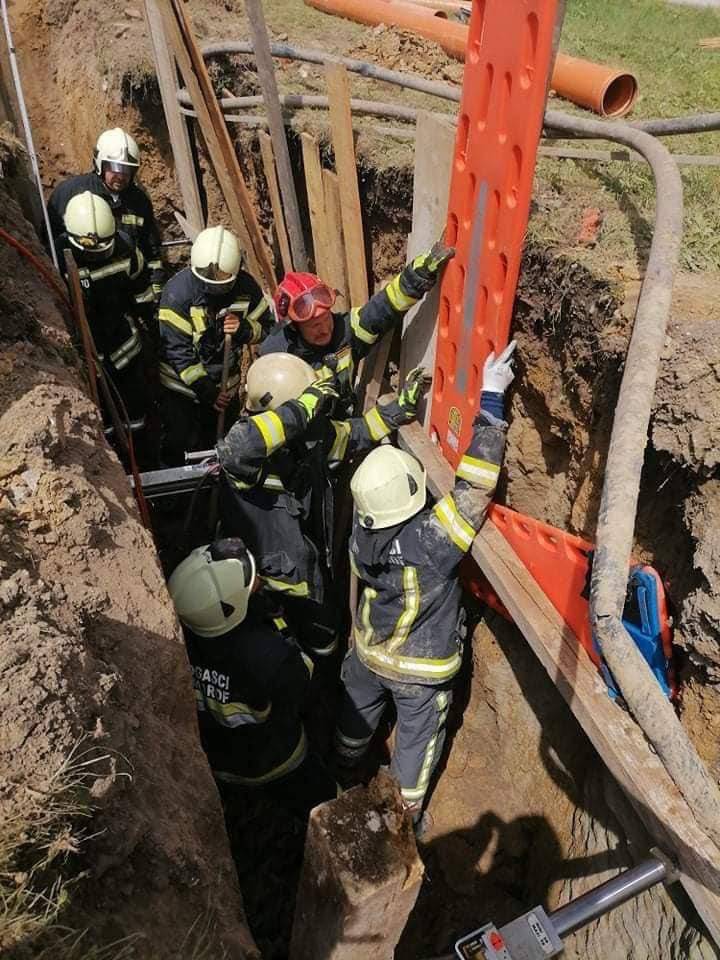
606,90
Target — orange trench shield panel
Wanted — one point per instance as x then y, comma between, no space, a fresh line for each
507,65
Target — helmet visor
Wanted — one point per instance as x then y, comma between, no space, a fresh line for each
309,304
94,247
120,166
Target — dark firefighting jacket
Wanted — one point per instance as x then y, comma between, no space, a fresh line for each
133,212
355,332
116,292
191,333
408,625
277,492
251,685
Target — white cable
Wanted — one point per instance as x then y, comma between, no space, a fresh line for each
26,127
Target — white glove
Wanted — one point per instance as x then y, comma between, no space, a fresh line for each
498,373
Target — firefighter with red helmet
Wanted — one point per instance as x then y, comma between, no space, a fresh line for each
312,331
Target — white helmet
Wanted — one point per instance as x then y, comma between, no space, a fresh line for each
212,586
388,487
90,224
215,258
116,150
275,378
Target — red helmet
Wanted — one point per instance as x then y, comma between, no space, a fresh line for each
302,296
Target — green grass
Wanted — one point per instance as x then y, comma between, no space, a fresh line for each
659,42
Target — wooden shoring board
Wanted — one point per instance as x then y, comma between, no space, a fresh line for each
434,151
345,163
336,272
321,235
217,140
614,734
268,159
185,173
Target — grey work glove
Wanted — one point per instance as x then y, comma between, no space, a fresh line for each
429,264
416,382
498,373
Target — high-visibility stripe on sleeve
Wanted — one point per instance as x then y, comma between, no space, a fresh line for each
195,372
400,301
342,434
259,310
198,317
132,219
281,770
458,529
155,264
239,306
481,473
353,566
301,589
358,329
256,331
146,296
309,665
118,266
375,424
173,319
271,427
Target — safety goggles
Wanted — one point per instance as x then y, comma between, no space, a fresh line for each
308,305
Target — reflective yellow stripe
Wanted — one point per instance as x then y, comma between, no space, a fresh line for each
146,296
367,598
459,530
190,374
411,606
420,789
240,306
308,663
236,714
132,219
358,329
293,761
294,589
271,427
398,665
140,264
353,565
198,318
273,482
280,623
256,331
240,484
400,301
375,424
482,473
120,266
172,319
259,310
155,264
338,450
169,378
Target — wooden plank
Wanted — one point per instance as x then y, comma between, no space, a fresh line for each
321,235
613,733
268,85
434,149
268,159
346,166
185,172
217,140
336,271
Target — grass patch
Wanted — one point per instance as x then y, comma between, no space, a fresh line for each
659,42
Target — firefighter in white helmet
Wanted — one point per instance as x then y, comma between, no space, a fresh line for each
117,295
116,160
409,622
277,493
251,680
212,297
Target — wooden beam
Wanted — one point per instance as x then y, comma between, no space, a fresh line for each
217,139
268,159
434,150
613,733
321,234
268,85
335,250
166,70
345,164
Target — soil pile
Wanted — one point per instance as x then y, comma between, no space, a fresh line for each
92,664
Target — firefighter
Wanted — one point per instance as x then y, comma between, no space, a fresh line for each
277,464
117,295
199,306
116,160
409,621
250,677
313,331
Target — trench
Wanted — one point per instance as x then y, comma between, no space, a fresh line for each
523,812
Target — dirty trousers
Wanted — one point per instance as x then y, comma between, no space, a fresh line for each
419,734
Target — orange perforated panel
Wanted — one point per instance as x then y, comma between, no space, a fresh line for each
507,65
